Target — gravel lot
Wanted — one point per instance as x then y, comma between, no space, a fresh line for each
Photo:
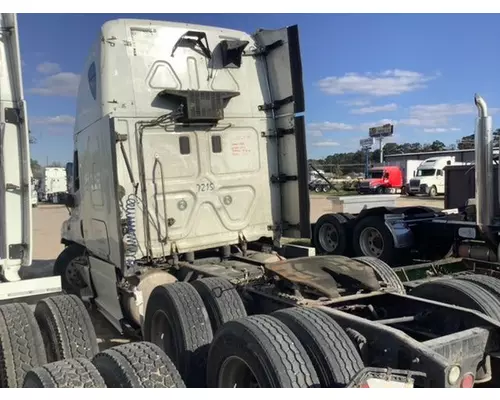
47,221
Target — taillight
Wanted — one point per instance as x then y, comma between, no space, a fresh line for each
467,381
365,385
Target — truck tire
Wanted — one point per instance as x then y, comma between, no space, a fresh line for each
333,354
259,351
72,373
433,191
64,267
347,216
221,299
380,190
21,344
385,273
67,329
177,321
137,365
489,283
461,293
330,234
372,238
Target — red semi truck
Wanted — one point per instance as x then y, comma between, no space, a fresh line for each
383,179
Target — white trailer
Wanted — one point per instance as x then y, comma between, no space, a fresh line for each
54,184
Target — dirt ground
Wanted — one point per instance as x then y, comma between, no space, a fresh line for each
47,221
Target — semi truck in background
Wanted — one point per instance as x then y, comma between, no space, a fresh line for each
215,116
382,179
54,185
429,178
393,178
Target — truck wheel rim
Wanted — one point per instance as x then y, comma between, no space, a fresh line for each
371,242
328,237
72,273
162,335
236,373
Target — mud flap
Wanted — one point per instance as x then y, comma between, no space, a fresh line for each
15,193
281,51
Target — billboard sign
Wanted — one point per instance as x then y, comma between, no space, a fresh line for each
368,142
381,131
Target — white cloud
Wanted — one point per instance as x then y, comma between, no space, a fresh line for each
386,83
441,130
354,103
314,133
374,109
61,84
329,126
436,115
326,143
56,120
48,68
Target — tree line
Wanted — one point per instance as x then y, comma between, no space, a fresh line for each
358,157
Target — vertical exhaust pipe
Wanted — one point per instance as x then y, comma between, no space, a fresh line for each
484,166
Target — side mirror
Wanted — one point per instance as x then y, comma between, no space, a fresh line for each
414,173
70,200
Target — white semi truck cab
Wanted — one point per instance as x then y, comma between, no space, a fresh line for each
429,177
200,150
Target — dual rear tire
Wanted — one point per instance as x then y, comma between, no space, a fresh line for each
370,236
204,329
60,328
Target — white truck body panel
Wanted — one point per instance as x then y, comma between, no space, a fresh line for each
410,169
15,184
191,194
54,180
16,244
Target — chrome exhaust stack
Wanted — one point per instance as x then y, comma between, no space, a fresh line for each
485,207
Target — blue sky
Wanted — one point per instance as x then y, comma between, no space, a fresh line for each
419,71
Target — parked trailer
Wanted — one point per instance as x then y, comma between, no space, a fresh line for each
193,204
